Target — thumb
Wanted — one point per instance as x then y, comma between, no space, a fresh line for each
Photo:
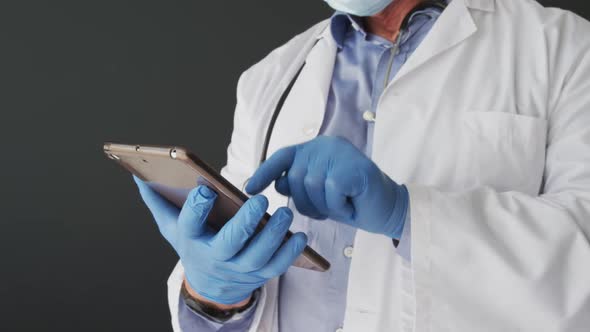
192,221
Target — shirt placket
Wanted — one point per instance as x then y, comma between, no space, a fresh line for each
387,66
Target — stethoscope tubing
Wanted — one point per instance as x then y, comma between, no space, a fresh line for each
423,5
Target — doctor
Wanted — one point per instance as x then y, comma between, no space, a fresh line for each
463,132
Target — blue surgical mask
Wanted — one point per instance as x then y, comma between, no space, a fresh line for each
359,7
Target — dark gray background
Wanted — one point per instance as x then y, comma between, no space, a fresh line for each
78,250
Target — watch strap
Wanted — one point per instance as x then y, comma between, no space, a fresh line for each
212,313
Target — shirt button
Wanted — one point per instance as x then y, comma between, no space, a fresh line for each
369,116
348,252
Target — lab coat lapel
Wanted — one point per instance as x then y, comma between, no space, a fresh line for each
453,27
370,306
301,117
303,112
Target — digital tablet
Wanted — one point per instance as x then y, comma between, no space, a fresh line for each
173,172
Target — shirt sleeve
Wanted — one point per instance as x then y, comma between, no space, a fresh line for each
193,321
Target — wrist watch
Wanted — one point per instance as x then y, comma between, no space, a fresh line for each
215,314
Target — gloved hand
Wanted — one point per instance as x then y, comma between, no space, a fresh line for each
223,267
329,177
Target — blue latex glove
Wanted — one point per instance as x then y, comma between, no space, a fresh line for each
329,177
224,267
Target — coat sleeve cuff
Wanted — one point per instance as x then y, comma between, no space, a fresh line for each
404,246
191,320
264,317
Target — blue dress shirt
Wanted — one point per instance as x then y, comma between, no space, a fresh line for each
313,301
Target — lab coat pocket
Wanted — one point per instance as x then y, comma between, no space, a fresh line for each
507,150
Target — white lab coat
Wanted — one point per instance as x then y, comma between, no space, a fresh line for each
489,125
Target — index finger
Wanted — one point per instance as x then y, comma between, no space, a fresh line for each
271,169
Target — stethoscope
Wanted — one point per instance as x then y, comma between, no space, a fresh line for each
439,4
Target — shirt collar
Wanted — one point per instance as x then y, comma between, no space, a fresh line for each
342,23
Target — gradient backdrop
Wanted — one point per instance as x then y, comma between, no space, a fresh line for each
78,250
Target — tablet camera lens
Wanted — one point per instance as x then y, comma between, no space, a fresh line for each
173,153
